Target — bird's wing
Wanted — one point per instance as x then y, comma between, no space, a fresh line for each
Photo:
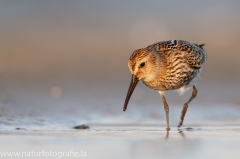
194,54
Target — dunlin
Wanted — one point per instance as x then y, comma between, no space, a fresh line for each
167,65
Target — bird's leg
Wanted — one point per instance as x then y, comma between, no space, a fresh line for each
185,106
166,108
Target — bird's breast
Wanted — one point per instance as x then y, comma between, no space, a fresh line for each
155,84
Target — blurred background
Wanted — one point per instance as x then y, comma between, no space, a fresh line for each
66,61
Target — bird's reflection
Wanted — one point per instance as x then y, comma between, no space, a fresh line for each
179,131
167,134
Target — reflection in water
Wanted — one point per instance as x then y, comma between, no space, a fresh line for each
167,134
163,144
179,131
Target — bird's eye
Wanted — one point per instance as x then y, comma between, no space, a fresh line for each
142,64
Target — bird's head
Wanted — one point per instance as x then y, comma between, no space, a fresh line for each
144,65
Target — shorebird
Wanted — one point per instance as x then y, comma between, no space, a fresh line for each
167,65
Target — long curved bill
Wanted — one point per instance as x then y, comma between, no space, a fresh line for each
131,88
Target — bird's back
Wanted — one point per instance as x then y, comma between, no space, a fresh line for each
195,54
181,63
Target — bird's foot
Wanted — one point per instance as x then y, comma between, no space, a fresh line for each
179,128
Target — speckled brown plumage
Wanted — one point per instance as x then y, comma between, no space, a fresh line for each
167,65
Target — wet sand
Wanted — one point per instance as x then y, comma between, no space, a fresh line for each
120,142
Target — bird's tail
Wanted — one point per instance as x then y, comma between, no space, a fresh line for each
201,45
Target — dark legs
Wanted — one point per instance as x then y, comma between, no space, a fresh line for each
185,106
166,108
